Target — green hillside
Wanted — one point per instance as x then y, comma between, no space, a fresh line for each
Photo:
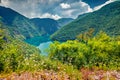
47,26
18,25
106,19
64,21
25,28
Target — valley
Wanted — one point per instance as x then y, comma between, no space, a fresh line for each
60,47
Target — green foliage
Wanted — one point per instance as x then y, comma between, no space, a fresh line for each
13,52
67,52
18,56
85,36
102,51
105,19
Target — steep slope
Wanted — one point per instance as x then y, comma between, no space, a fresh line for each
18,25
46,25
64,21
106,19
33,30
23,27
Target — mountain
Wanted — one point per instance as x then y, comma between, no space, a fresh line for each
18,25
33,31
106,19
46,25
25,28
64,21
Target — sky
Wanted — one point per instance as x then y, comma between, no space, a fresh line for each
54,8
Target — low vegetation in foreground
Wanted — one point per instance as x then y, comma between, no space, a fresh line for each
22,61
92,55
86,58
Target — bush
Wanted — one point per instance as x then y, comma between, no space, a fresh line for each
100,51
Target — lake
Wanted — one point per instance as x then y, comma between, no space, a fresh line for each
43,47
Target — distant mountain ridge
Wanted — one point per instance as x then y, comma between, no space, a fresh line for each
46,25
64,21
106,19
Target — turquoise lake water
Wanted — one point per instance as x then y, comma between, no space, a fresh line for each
43,47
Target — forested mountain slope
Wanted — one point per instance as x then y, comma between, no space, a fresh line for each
46,25
106,19
17,24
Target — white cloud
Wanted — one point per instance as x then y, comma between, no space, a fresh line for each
33,8
68,13
48,8
65,5
45,15
100,6
48,15
75,9
4,3
83,4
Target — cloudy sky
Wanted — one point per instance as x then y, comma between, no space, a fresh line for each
54,8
